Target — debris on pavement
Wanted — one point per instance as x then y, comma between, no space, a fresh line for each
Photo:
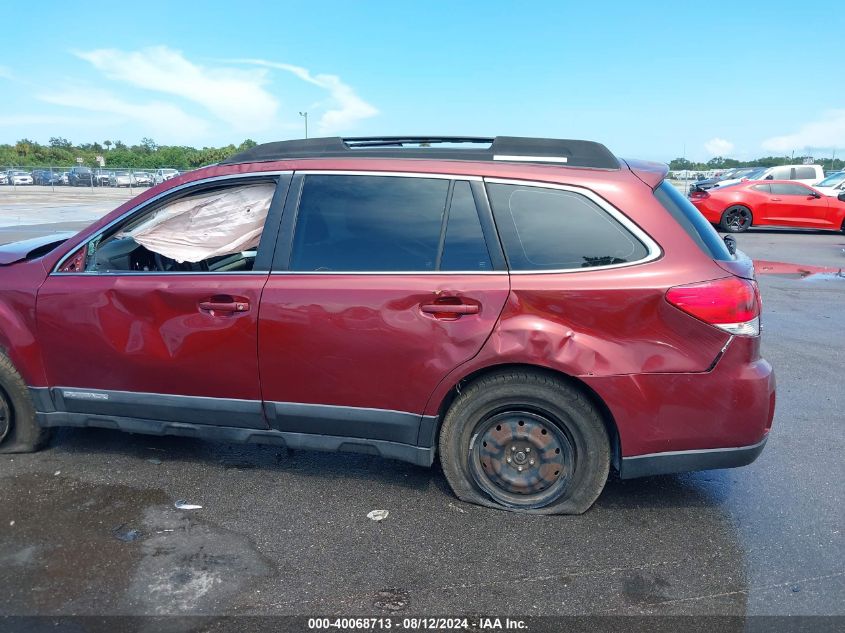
184,505
391,600
57,473
377,515
154,460
125,534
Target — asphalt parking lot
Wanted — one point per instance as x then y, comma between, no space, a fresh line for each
89,526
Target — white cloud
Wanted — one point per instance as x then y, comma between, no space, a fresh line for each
235,96
163,120
5,72
347,107
826,133
718,147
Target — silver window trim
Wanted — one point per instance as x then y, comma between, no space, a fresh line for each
654,250
150,201
390,174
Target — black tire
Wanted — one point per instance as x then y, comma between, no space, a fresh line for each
491,427
19,432
736,219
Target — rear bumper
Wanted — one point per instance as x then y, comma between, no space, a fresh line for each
685,461
676,422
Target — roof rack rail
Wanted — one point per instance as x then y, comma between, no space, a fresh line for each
562,152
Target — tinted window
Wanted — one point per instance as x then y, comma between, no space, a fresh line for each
762,188
781,173
691,220
805,173
786,189
368,223
553,229
464,247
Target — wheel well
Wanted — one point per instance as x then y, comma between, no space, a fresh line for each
593,397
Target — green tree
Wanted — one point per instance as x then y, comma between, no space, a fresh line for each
148,144
59,142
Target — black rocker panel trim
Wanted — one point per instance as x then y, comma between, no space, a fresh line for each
687,461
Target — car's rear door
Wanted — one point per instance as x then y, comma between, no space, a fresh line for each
381,285
173,343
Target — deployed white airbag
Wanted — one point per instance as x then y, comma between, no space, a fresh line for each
207,225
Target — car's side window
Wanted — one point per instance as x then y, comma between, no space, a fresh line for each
782,173
554,229
786,189
213,230
805,173
464,248
349,223
763,188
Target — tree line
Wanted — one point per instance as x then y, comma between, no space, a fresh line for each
149,155
145,155
828,164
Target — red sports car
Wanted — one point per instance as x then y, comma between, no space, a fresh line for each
735,208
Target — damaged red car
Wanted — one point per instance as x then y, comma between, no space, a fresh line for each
535,312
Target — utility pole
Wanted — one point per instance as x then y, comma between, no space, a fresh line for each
305,116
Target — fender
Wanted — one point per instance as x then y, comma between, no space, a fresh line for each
18,328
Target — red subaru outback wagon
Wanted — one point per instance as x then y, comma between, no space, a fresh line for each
534,311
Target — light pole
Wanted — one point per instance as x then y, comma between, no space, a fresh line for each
305,115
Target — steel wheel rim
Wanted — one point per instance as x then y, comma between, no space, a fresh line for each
521,458
5,416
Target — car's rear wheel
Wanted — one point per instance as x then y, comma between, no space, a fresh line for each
736,219
525,441
19,432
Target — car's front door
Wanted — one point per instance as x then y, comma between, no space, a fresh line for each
794,204
388,284
136,334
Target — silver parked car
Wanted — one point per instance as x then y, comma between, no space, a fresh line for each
121,179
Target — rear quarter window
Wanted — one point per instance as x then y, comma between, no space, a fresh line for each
696,226
805,173
553,229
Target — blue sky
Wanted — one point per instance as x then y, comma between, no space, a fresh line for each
650,80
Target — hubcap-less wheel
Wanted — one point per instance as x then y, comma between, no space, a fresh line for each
5,416
521,459
737,219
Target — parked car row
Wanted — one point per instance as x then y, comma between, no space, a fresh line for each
86,177
807,174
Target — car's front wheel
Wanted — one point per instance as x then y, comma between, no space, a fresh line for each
736,219
526,441
19,432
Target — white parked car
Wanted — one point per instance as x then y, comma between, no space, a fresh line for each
833,185
19,178
121,179
808,174
142,178
164,174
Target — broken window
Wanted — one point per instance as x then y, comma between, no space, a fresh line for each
213,231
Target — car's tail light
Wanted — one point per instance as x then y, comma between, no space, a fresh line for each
732,304
698,194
